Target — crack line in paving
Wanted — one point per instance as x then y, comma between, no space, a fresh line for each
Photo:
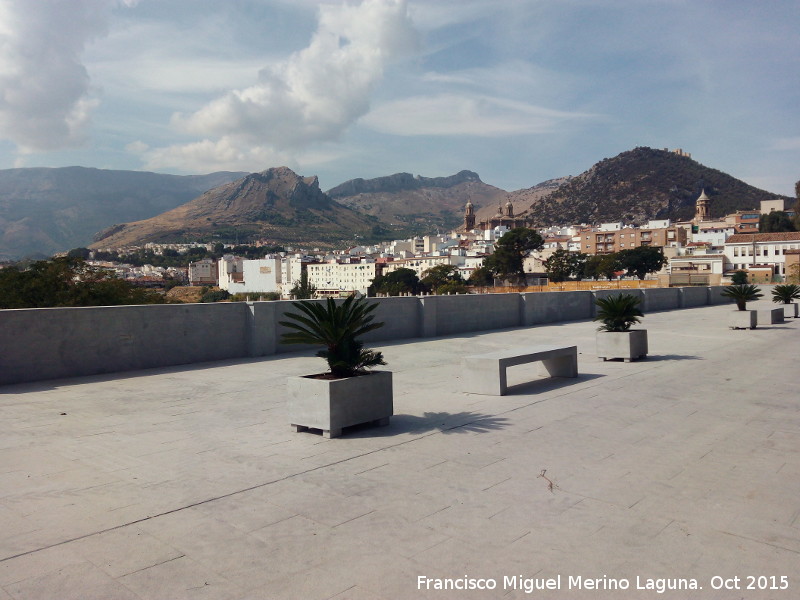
248,489
440,430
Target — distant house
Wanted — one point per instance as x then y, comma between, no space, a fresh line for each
761,251
203,272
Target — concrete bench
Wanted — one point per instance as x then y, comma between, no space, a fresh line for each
486,373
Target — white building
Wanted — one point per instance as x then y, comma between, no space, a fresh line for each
341,278
420,264
272,274
745,251
716,233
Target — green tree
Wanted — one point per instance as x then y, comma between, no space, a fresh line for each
797,206
215,296
399,281
774,222
68,281
598,266
482,277
436,278
563,265
739,278
510,252
302,289
452,287
642,260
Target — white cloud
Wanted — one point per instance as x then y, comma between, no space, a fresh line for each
207,155
227,154
45,93
473,115
317,92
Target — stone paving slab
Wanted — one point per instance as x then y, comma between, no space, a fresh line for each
189,483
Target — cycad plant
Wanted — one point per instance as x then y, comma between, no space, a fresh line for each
785,293
742,294
337,328
618,312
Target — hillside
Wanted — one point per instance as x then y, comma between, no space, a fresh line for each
43,211
522,199
422,204
643,184
277,205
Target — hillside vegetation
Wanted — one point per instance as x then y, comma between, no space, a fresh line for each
644,184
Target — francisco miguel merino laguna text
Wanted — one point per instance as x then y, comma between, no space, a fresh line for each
573,582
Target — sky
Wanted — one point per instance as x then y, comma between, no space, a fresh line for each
519,91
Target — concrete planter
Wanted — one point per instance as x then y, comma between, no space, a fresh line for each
627,345
769,316
790,311
743,319
332,404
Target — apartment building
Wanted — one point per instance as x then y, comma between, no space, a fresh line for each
342,277
203,272
609,238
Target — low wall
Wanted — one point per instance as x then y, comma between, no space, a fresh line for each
553,307
51,343
657,299
693,296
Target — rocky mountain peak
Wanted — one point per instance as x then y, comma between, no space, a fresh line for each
400,182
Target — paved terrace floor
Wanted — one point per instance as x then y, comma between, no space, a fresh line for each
188,482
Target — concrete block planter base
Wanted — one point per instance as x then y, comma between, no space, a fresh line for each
627,345
790,311
743,319
769,316
333,404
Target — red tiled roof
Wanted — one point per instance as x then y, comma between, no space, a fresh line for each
783,236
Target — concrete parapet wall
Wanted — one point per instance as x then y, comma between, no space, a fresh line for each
714,295
552,307
52,343
656,299
693,296
448,315
401,317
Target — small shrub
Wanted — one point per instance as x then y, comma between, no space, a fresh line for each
785,293
618,312
742,294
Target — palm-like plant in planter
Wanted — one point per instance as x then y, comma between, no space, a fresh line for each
785,294
350,394
742,294
337,328
615,338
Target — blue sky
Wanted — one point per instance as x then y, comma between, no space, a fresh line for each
519,91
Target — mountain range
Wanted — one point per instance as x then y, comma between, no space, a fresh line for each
276,205
420,204
43,211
